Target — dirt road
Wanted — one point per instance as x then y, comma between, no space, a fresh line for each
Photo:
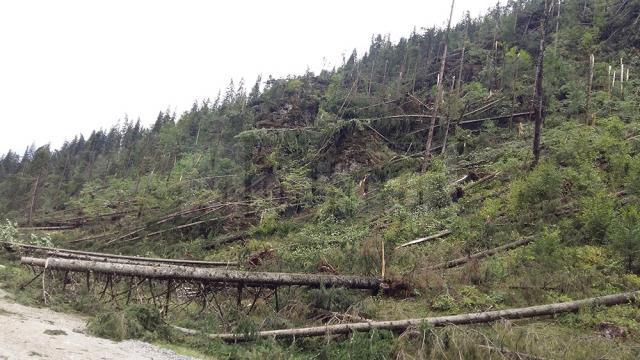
32,333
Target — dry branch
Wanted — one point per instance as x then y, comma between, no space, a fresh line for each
207,274
462,319
421,240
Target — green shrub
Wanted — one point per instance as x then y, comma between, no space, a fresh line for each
332,299
595,217
539,192
633,177
339,205
412,190
8,232
134,322
624,234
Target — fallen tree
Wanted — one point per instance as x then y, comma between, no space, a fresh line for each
421,240
209,275
482,254
182,262
439,321
145,262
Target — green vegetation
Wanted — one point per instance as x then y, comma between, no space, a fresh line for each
326,173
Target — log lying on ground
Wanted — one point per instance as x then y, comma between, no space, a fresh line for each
182,262
483,180
482,254
462,319
421,240
255,279
226,239
146,262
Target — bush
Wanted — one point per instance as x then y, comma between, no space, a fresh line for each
339,205
539,192
624,234
8,232
134,322
595,217
332,299
412,190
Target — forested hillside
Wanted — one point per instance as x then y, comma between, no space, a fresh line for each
518,129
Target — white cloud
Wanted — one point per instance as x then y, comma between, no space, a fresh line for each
68,67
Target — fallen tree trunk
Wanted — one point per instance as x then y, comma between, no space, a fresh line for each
421,240
226,239
481,181
148,262
462,319
482,254
49,228
182,262
209,275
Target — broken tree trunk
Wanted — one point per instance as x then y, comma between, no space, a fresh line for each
483,254
245,278
590,117
421,240
439,321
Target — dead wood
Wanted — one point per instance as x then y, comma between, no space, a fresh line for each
439,321
428,238
482,254
235,277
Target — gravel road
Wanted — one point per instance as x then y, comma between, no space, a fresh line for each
32,333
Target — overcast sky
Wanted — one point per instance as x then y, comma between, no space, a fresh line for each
69,67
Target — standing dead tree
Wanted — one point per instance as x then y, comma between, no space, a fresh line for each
590,117
440,89
539,93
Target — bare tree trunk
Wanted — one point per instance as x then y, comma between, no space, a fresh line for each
207,274
440,90
424,239
557,34
590,117
373,66
33,200
539,96
439,321
464,47
513,89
